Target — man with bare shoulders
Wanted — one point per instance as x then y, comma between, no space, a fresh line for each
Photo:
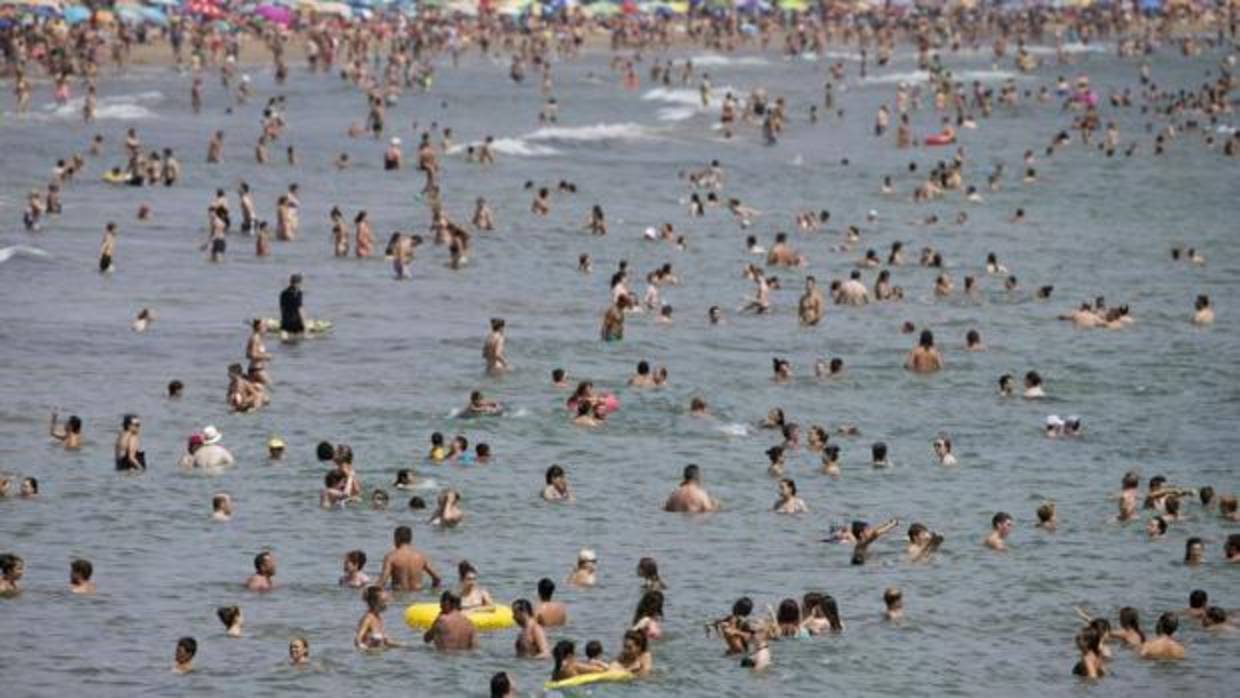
107,248
404,566
1000,527
810,307
451,630
264,571
493,349
1162,646
549,613
690,497
924,358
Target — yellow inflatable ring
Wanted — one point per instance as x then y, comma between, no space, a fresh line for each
609,676
421,616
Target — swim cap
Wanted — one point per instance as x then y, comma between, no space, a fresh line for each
275,442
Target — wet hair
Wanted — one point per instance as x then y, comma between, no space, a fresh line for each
1046,512
643,368
82,569
792,485
878,451
218,501
999,519
258,560
647,568
1157,481
892,596
501,685
436,439
1130,620
8,563
1188,547
562,650
1167,624
831,452
832,612
649,606
915,530
1227,504
742,607
1131,481
692,472
357,557
1198,599
1033,378
973,337
465,567
1089,640
927,339
594,649
1206,494
127,420
1161,523
557,374
417,503
373,596
789,612
175,387
858,528
1172,506
546,588
775,453
325,451
523,606
189,645
553,472
450,599
1232,546
1215,615
228,615
403,535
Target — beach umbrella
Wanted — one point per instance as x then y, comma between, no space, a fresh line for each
793,5
154,15
128,14
76,14
48,4
164,3
275,14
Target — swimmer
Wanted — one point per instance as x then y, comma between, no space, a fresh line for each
472,595
143,321
69,435
298,651
353,577
451,630
809,307
183,661
1046,517
129,456
1033,386
232,619
264,572
480,406
690,497
531,641
1163,646
1203,312
370,634
973,341
448,512
493,349
404,566
1001,526
893,599
943,451
556,489
80,573
789,502
585,574
924,358
221,507
831,461
922,542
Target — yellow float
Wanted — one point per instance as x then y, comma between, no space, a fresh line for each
421,616
609,676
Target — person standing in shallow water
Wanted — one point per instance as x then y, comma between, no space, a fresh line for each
493,349
292,320
924,358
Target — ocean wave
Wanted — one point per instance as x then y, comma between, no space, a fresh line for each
122,107
597,132
7,253
916,76
532,144
1073,47
714,60
683,103
734,429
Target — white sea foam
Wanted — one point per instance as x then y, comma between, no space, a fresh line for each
735,429
919,76
533,144
714,60
119,107
683,103
7,253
